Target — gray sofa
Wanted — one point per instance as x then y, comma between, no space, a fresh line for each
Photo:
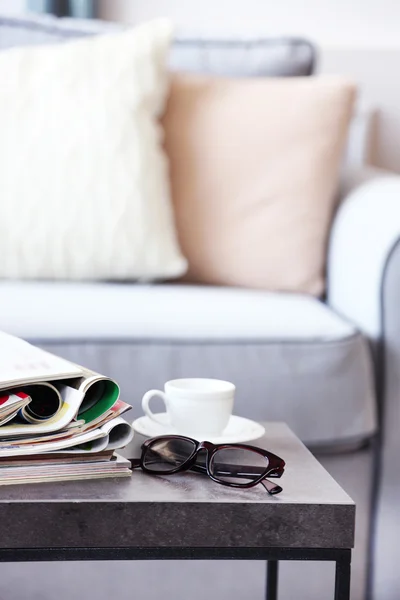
329,369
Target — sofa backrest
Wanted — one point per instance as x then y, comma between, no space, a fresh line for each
241,57
264,57
247,57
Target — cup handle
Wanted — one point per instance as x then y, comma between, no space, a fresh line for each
145,404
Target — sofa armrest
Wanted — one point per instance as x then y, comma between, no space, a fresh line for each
364,285
365,230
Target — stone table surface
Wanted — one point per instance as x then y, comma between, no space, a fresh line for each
185,510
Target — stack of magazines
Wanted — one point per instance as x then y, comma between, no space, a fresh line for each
58,421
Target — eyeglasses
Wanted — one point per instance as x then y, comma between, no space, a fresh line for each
234,465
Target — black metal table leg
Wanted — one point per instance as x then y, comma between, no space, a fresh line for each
342,578
272,580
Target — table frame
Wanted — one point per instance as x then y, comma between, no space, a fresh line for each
341,556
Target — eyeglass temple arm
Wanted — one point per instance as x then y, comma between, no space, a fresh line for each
272,488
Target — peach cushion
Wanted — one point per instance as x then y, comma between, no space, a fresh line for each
254,167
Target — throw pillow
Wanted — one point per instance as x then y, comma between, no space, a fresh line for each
254,166
84,191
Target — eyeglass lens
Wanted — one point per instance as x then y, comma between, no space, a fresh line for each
236,465
167,454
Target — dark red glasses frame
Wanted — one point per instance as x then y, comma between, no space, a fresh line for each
275,467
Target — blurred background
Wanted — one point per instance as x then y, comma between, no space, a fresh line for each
358,38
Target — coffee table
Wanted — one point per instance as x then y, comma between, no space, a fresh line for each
187,517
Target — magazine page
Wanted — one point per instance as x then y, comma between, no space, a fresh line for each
98,439
72,400
11,404
100,393
117,434
22,363
120,433
44,402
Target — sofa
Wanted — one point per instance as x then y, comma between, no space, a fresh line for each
328,367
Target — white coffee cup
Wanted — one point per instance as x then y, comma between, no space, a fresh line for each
194,406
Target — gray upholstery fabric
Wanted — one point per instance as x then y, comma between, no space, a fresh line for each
247,57
386,567
275,380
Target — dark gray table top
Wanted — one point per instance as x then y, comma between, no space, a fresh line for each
185,510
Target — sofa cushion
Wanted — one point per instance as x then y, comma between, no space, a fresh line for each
291,358
85,311
79,130
254,166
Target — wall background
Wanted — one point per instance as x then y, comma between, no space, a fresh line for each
333,22
360,38
12,6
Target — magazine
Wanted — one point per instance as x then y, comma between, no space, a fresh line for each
50,405
39,472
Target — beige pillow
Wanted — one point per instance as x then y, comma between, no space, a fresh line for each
254,166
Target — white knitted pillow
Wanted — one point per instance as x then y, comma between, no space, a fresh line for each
84,188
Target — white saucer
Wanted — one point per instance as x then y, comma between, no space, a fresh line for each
238,430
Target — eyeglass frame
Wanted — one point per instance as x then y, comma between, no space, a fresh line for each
274,469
